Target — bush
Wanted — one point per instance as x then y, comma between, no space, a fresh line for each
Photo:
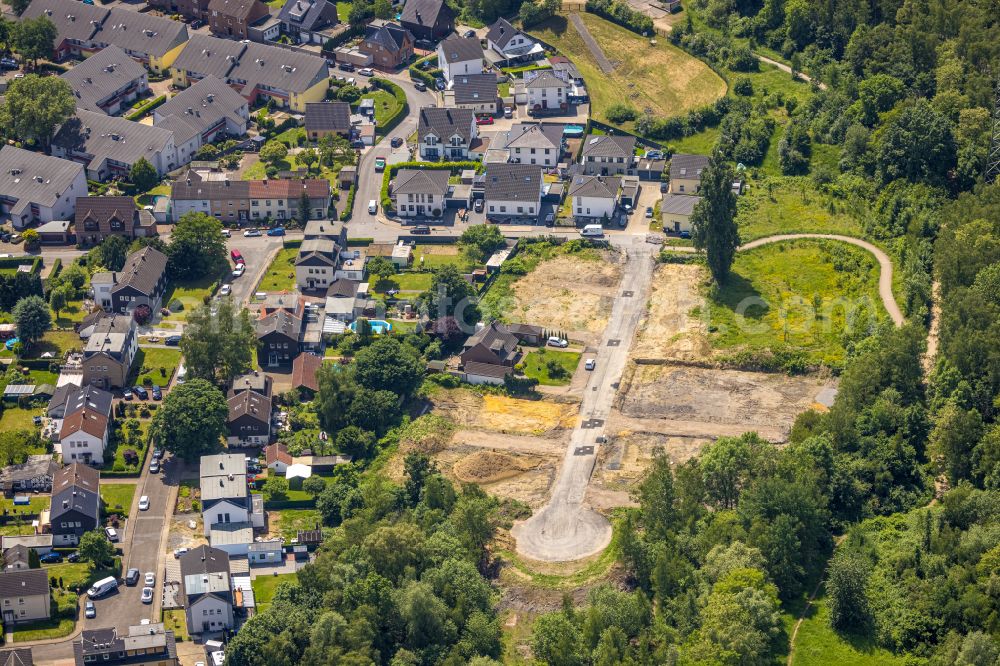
620,113
146,108
621,14
743,86
345,214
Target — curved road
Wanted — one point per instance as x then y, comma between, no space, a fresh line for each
566,529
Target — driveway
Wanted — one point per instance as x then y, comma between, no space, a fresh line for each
258,252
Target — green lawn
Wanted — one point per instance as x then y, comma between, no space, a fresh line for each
56,342
536,366
15,418
343,10
702,143
139,446
661,78
416,282
293,520
817,644
52,628
771,299
258,170
118,496
38,503
69,315
190,293
147,198
154,365
280,275
264,588
291,136
13,529
386,105
74,575
436,256
176,621
791,204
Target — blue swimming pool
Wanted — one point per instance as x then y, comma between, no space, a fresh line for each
10,343
379,326
573,130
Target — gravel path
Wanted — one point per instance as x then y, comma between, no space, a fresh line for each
588,39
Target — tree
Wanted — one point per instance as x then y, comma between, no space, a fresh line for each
32,317
389,365
713,221
383,9
113,252
143,175
918,145
381,268
31,239
349,94
314,485
355,442
276,488
451,295
955,434
846,580
191,419
481,240
417,467
218,347
75,277
727,466
304,208
58,299
273,152
18,6
197,247
656,498
35,38
556,641
34,106
95,548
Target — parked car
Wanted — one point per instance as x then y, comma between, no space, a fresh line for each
239,270
484,120
147,595
396,141
550,219
89,610
555,341
590,364
172,340
508,112
157,454
685,234
102,587
469,33
177,554
663,188
227,233
127,393
654,154
421,229
277,231
346,67
150,579
154,467
50,557
420,85
73,557
478,205
225,290
141,392
197,23
236,256
649,211
251,233
380,164
132,577
157,393
112,534
8,63
366,71
440,84
144,503
372,207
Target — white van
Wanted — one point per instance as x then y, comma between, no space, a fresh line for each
592,230
372,206
182,373
102,587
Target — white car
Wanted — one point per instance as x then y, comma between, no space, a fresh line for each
226,289
147,595
590,364
251,233
239,270
112,534
366,71
144,503
226,233
372,207
557,342
179,551
149,579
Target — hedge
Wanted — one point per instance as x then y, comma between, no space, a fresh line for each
277,505
622,14
359,242
390,172
14,262
400,96
291,244
417,73
345,214
146,108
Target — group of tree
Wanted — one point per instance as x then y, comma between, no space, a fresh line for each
197,248
18,285
218,342
192,420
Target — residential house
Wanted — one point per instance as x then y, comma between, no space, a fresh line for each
400,253
282,199
276,457
316,264
70,398
100,217
83,437
226,200
271,551
16,557
685,173
225,496
535,143
256,381
249,420
509,45
326,229
326,118
595,197
445,133
233,18
24,596
76,504
512,190
608,154
107,82
144,645
189,9
33,475
306,20
278,337
40,543
650,169
207,590
208,111
304,369
17,657
141,281
486,373
109,352
492,344
83,30
460,55
352,265
345,300
420,192
389,44
259,72
109,146
547,93
56,232
476,92
38,188
675,211
428,20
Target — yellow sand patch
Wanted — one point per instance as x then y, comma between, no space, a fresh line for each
513,415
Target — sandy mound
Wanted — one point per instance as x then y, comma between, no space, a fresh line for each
489,466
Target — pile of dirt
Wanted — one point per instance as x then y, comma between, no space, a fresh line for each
490,466
513,415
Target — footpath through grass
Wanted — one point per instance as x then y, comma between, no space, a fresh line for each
817,644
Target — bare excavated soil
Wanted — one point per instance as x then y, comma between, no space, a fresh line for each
503,414
671,329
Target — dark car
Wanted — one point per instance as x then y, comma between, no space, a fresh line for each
469,33
157,393
663,188
396,142
440,84
132,577
142,393
50,558
8,63
172,340
157,454
421,229
420,85
685,234
478,206
127,393
346,66
73,557
197,23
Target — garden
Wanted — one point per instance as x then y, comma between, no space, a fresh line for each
550,368
154,366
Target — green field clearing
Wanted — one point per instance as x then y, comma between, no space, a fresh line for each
191,294
146,199
817,644
43,629
536,366
16,418
772,295
409,281
386,105
38,503
790,204
290,521
118,497
436,256
148,364
280,275
258,170
660,78
175,620
264,588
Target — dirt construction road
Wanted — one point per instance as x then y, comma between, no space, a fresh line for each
566,529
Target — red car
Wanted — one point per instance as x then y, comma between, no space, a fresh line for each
484,120
237,257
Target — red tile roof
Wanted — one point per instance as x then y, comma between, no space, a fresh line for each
89,421
277,453
304,369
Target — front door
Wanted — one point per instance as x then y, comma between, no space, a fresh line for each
272,358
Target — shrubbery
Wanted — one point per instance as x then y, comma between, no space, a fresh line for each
622,14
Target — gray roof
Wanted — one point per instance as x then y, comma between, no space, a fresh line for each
141,33
328,116
390,36
23,583
323,228
17,657
110,335
73,20
204,55
686,166
595,186
279,322
459,49
309,15
252,404
472,88
609,145
545,79
494,336
142,270
200,107
487,369
325,250
223,476
204,559
235,8
534,135
225,534
266,546
679,204
279,68
501,32
35,177
101,75
423,12
76,487
422,181
16,554
108,137
32,541
35,466
445,123
513,182
70,398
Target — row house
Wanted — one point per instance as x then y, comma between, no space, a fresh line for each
107,82
109,146
38,188
208,111
282,199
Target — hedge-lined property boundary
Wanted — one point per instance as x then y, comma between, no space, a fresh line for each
146,108
392,169
419,74
621,14
348,211
400,97
14,262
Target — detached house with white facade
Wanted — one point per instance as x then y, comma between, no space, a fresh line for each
36,187
225,496
420,192
207,590
459,55
512,190
547,93
107,82
595,197
507,44
534,143
445,133
316,264
608,155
